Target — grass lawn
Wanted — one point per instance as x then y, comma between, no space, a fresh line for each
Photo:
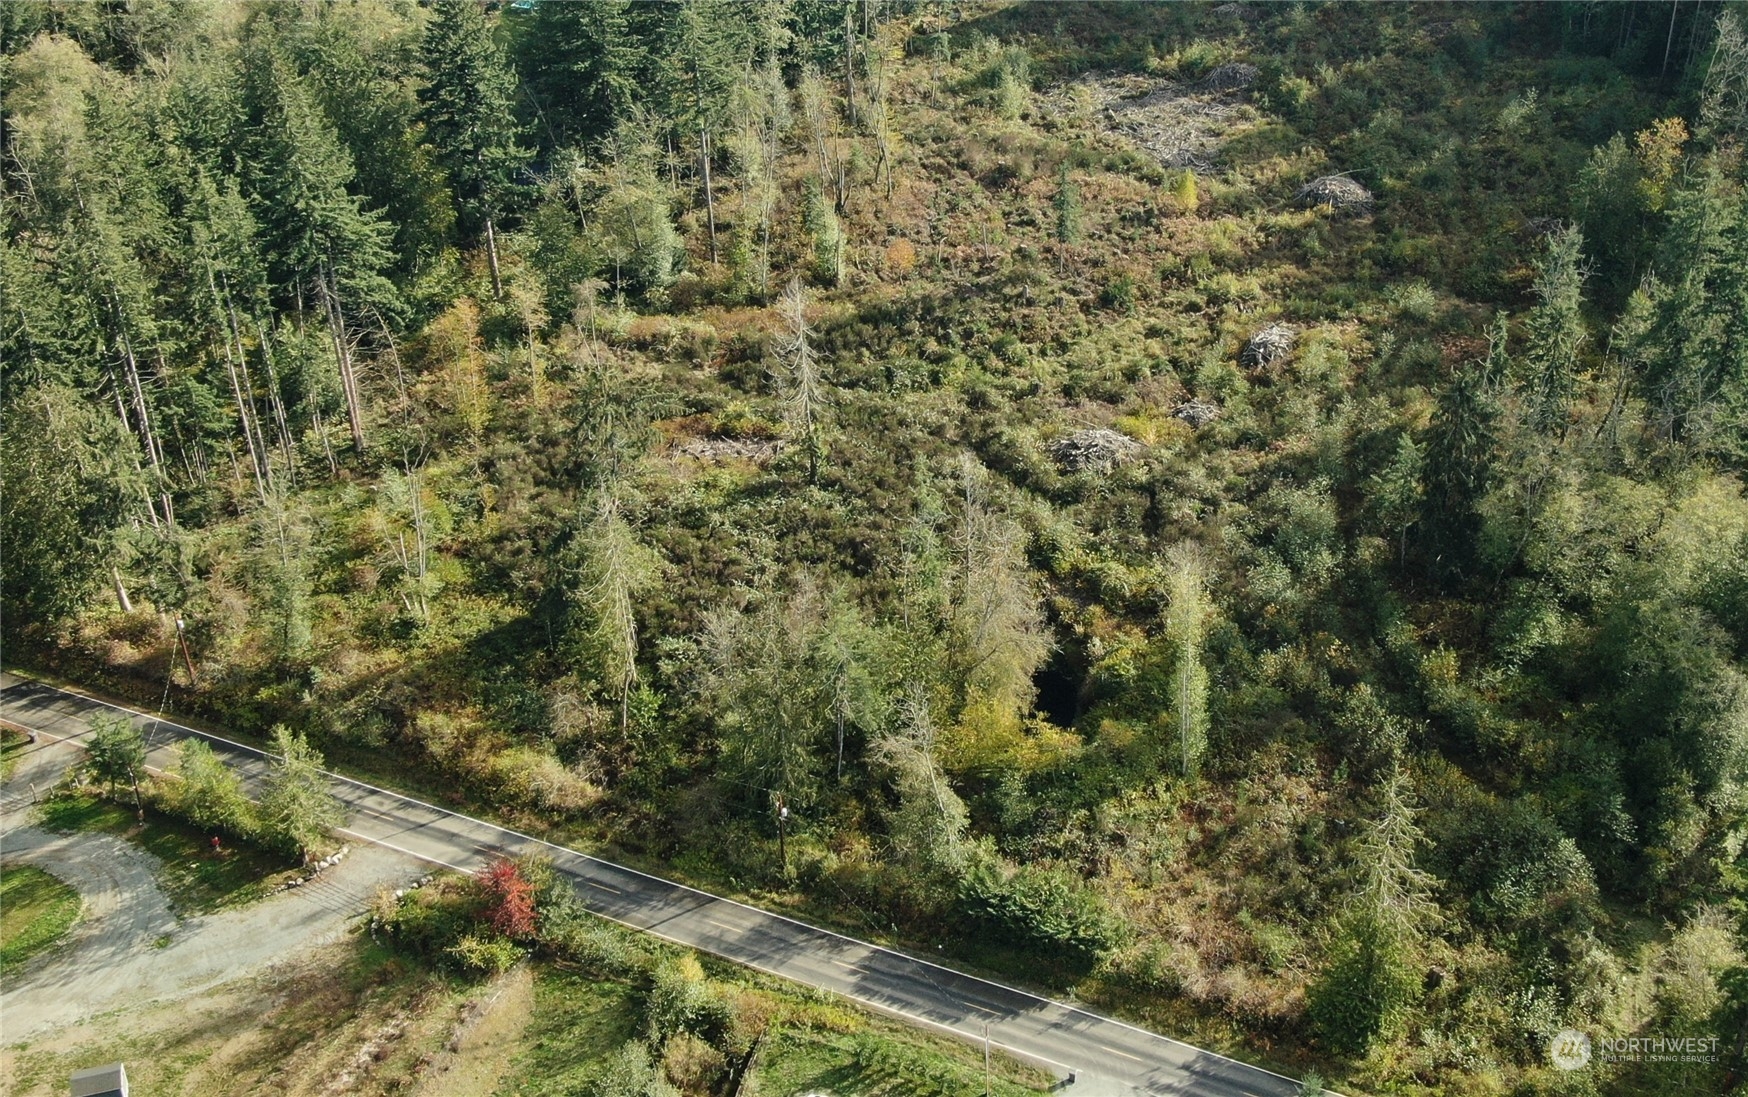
36,910
12,744
195,881
812,1045
885,1061
577,1020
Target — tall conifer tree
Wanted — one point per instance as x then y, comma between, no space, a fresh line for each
469,116
324,251
1459,469
581,64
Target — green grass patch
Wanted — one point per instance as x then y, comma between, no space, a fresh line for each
578,1020
36,910
876,1063
193,878
12,744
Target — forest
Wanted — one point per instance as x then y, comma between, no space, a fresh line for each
1231,512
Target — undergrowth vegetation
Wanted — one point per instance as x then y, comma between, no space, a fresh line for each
697,452
621,1013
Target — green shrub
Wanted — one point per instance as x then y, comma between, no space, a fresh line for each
1040,907
431,922
630,1072
681,999
207,793
1362,995
826,234
484,954
1119,295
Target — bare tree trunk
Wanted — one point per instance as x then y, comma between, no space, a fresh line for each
275,401
257,460
1693,35
154,451
121,598
420,547
260,444
850,67
709,192
1674,6
492,260
327,443
343,355
139,804
128,427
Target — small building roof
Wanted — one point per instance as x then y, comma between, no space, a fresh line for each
104,1081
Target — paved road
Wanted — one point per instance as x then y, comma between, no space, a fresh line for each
1107,1056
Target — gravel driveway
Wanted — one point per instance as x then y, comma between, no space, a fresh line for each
113,957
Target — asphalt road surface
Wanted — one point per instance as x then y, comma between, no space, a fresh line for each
1106,1056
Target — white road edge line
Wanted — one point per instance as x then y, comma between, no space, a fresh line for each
879,1007
687,887
975,1037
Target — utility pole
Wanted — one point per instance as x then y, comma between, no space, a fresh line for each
783,833
133,777
986,1059
182,639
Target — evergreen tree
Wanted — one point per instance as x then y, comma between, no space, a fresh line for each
281,577
802,388
114,243
1556,331
115,753
469,116
826,233
633,226
1371,978
1067,206
222,248
771,680
1459,451
35,347
582,64
356,60
1395,491
69,482
1695,350
298,807
762,120
616,570
1183,190
324,251
700,50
